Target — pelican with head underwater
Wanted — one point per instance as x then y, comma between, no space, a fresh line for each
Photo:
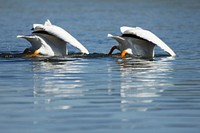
138,42
50,40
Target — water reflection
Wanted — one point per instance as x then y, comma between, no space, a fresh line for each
138,82
56,80
143,81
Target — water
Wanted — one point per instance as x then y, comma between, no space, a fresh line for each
100,93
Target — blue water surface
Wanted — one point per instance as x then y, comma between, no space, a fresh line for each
100,93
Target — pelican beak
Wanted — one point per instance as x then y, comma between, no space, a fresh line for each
34,54
124,52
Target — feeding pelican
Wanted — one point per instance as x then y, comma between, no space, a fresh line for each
138,42
51,40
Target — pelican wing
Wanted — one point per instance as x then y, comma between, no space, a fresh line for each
38,26
34,40
115,37
59,33
38,43
149,36
57,45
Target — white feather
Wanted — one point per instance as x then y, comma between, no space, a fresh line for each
38,43
52,40
110,35
47,23
61,34
149,36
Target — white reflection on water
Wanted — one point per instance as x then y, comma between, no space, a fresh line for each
139,81
56,80
142,81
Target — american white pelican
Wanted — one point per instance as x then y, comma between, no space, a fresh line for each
138,42
51,40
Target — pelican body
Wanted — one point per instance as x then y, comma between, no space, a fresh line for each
51,40
138,42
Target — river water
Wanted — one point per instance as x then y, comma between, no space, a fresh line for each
97,92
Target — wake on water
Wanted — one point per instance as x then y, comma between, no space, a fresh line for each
70,57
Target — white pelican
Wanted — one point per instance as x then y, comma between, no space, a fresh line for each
138,42
51,40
